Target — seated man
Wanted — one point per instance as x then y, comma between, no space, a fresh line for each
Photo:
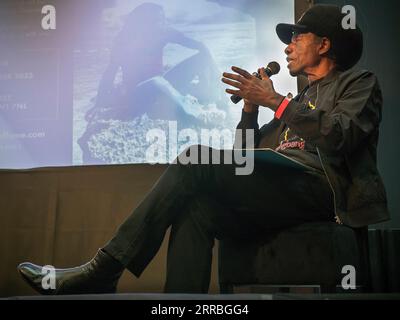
331,127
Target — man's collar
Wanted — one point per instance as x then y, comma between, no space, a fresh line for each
322,81
327,79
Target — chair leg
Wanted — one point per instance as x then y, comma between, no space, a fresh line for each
225,288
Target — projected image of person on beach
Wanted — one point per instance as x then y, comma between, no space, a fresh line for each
145,87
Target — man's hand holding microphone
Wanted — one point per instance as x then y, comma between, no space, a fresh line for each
256,90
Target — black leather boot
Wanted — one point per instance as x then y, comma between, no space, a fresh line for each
100,275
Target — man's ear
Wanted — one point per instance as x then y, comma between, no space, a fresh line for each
325,46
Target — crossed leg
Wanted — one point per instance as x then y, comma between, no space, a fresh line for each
202,202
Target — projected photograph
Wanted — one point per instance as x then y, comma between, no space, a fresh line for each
149,84
128,81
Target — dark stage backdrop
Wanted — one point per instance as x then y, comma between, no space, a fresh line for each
380,22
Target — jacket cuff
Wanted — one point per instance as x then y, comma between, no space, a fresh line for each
249,119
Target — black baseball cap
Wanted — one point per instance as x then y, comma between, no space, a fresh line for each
326,21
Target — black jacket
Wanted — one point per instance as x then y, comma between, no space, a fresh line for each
344,128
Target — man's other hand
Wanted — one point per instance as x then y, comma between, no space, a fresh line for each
249,107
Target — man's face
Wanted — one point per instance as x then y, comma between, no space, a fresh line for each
303,53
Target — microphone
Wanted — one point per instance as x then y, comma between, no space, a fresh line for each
272,68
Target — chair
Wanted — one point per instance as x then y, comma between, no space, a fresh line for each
310,254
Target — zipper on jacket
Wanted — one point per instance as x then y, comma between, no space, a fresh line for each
330,184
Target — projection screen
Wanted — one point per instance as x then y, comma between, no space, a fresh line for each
128,81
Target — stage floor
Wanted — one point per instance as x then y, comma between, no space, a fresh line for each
252,296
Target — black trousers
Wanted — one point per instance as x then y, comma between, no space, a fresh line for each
204,202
